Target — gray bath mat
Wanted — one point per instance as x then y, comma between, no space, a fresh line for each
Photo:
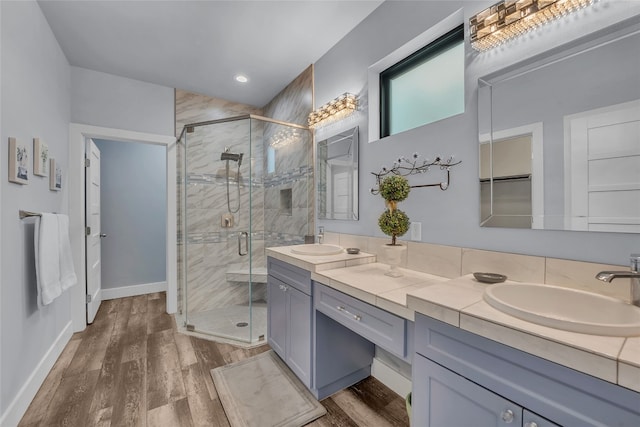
263,392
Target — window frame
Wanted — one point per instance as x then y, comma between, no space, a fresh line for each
436,47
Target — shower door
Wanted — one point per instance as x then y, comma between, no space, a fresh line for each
218,165
247,185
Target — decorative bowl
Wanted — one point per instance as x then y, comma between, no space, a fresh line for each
490,277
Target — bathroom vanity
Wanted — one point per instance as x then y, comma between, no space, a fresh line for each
324,356
472,365
462,379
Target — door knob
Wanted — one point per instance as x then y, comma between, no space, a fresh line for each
507,416
103,235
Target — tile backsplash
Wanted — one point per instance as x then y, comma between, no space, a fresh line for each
451,262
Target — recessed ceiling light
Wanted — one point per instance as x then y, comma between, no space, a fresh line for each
241,78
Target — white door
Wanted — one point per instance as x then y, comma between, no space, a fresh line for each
93,234
605,169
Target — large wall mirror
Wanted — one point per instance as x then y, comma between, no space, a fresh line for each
337,176
560,137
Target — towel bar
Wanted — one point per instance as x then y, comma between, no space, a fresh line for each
28,214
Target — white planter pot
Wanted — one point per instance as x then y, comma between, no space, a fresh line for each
393,257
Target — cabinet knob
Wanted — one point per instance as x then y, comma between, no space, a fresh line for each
507,416
531,424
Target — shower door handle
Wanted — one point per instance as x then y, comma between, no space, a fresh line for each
246,243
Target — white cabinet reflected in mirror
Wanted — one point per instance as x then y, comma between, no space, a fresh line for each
337,176
560,137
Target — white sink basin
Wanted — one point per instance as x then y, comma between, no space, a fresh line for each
317,249
567,309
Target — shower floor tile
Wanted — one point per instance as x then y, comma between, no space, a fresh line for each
224,322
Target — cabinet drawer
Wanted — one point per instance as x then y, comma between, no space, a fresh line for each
290,274
376,325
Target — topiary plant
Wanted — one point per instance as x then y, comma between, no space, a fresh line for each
393,222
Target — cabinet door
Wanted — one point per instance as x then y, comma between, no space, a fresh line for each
529,419
442,398
276,315
299,334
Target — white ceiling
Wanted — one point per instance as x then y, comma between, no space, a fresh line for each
201,45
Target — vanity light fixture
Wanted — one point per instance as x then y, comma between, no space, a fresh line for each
285,137
510,18
334,110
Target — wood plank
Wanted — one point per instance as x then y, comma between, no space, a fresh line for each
373,394
335,416
107,387
221,419
139,304
136,326
124,312
200,402
361,413
70,404
209,357
164,375
185,349
40,403
91,353
207,353
245,353
159,320
129,407
172,414
102,418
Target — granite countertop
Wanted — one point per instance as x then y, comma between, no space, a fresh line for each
459,302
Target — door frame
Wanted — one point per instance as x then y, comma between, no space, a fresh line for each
78,133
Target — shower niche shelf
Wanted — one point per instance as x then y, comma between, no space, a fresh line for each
286,202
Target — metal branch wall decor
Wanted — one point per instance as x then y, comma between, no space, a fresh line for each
414,166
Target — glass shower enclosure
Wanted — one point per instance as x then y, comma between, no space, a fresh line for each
245,184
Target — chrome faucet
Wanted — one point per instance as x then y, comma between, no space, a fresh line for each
633,274
320,234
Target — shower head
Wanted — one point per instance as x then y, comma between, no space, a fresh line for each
232,156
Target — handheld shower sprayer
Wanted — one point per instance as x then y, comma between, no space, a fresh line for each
227,155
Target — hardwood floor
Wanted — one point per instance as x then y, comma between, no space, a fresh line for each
133,368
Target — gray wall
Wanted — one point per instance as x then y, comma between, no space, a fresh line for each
452,217
133,213
101,99
35,103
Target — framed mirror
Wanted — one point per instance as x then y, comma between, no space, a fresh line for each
560,137
337,176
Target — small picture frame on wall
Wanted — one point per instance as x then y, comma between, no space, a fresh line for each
55,176
40,157
18,165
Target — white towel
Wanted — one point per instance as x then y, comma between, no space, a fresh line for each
47,248
67,273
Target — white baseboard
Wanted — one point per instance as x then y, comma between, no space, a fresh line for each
390,377
133,290
19,405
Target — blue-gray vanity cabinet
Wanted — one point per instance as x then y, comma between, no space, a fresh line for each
289,314
450,400
378,326
451,364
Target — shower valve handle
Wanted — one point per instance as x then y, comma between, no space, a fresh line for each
246,243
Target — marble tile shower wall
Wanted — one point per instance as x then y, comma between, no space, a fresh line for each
293,166
213,250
